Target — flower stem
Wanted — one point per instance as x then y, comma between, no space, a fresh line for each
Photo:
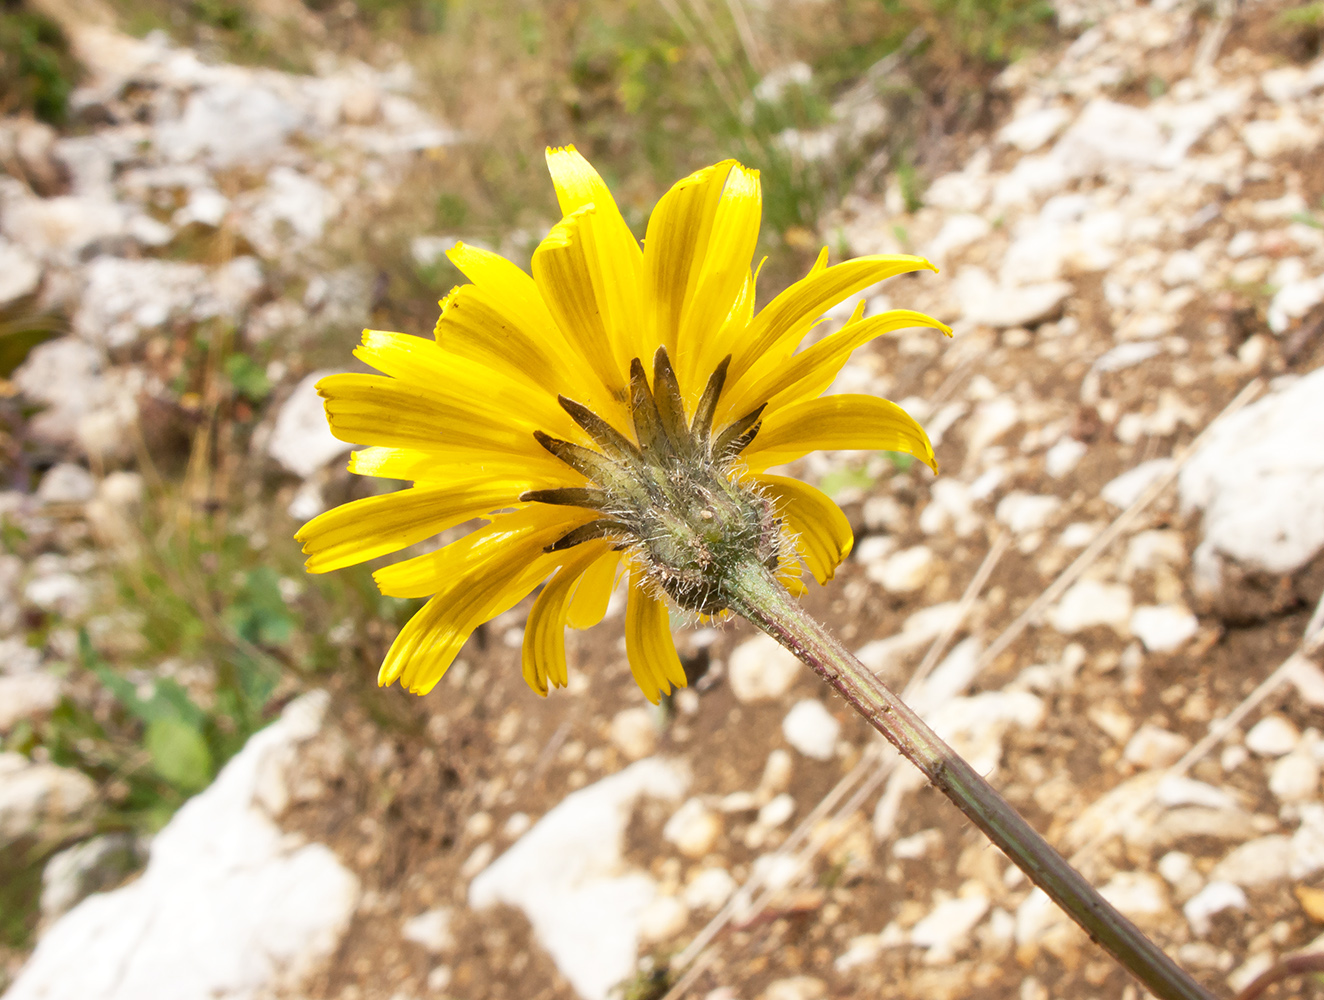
757,596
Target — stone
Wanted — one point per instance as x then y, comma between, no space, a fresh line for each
693,828
1163,628
1138,895
232,122
66,483
950,508
1295,777
663,919
1025,512
586,908
917,845
1034,129
983,301
1214,898
126,299
1308,842
634,732
26,697
63,374
95,865
301,441
812,729
20,274
1152,747
1268,138
1259,478
228,905
1177,790
16,656
709,889
1090,603
62,230
431,929
1061,459
1259,862
1127,488
945,931
1107,135
796,988
957,231
39,799
289,211
1292,301
776,811
1273,736
67,594
905,571
761,669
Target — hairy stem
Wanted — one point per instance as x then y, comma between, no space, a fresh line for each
756,595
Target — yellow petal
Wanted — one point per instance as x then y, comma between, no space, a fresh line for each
648,643
490,574
543,655
814,369
782,323
444,467
433,572
696,258
615,256
564,266
589,605
823,532
502,319
376,410
838,422
365,529
475,384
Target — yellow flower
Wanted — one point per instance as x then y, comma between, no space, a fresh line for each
532,408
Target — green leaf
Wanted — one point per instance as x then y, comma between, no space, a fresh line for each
179,754
248,378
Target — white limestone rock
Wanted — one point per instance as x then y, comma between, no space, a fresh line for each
95,865
1273,736
587,908
693,828
1127,488
812,729
431,929
26,698
761,669
301,441
945,931
1259,862
1214,898
20,275
1259,478
1090,603
1153,747
1295,777
37,799
1026,512
983,301
228,907
709,889
1163,628
66,483
633,731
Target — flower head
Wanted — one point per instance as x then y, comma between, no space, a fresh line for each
615,412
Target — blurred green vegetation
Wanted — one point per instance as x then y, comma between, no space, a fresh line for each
37,71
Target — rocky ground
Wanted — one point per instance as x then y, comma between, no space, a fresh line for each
1107,594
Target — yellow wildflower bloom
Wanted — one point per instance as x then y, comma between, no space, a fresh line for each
532,408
